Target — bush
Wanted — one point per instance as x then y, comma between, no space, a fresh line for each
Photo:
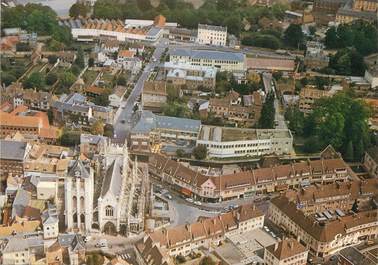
70,138
52,59
180,259
35,80
200,152
51,78
23,47
7,79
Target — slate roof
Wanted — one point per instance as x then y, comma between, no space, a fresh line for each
78,169
12,150
212,27
21,200
16,244
91,139
113,178
209,54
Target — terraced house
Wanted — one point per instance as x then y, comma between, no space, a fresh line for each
207,232
326,236
246,183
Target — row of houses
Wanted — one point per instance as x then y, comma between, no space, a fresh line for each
158,246
246,183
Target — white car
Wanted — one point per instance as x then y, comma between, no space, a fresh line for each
189,199
198,203
266,228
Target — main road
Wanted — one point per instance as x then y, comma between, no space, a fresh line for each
122,118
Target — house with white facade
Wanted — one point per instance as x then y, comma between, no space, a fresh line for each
212,35
50,222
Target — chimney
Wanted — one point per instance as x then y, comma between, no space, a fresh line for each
275,246
291,244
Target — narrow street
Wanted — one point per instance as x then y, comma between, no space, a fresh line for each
279,116
122,124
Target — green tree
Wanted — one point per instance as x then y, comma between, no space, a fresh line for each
77,10
176,109
121,80
349,152
266,120
35,80
102,100
294,36
341,121
358,150
200,152
180,153
296,119
108,130
180,259
91,62
97,128
70,138
7,79
52,59
51,78
67,79
331,39
23,47
79,61
359,35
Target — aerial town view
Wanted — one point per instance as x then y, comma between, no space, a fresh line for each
192,132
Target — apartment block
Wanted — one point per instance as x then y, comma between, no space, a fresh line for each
189,78
212,35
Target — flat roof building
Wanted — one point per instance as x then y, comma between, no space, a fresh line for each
222,142
223,60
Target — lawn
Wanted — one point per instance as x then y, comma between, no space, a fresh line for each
89,77
14,66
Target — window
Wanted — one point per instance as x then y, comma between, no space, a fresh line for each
108,210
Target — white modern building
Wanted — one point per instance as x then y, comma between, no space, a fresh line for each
222,60
91,29
212,35
79,190
223,142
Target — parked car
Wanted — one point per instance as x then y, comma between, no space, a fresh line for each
168,196
198,203
189,199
